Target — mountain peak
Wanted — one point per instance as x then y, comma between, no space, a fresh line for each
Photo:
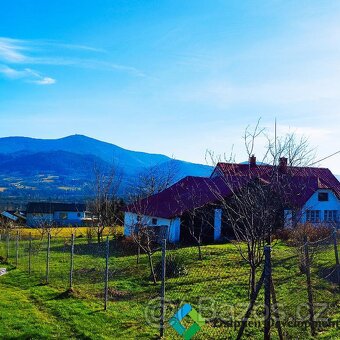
71,159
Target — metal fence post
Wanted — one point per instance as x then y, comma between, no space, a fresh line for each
72,262
106,273
30,254
162,318
48,257
337,264
17,250
267,295
309,287
7,247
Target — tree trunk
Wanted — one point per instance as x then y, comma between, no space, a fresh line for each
252,281
138,254
199,251
153,275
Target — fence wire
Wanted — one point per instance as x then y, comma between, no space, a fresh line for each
209,279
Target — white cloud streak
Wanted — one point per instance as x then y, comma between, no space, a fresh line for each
28,75
47,52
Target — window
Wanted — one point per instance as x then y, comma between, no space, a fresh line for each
139,218
154,221
313,216
63,216
323,196
330,215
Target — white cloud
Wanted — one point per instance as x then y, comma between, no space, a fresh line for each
27,74
44,81
10,50
47,52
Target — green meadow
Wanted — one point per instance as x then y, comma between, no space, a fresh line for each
217,287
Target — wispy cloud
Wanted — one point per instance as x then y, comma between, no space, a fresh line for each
11,50
14,52
28,75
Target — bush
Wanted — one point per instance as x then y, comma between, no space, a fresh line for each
295,236
313,232
175,266
283,234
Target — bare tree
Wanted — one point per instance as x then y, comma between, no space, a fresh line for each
6,225
197,218
153,180
259,194
106,205
146,236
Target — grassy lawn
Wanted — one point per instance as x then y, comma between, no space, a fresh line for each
217,287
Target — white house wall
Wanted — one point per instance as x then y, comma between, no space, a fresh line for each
34,220
73,217
130,221
313,203
217,224
175,230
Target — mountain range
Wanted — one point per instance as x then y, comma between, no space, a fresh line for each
63,168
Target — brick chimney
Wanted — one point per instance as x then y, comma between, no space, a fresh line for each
252,160
283,163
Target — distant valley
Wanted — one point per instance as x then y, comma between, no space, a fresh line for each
63,168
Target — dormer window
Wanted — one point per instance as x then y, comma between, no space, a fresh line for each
154,221
323,196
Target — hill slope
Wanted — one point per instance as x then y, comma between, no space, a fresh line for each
63,167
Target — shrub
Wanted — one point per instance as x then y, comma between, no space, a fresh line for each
313,232
295,236
174,264
282,234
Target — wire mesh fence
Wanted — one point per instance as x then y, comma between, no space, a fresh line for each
209,285
198,290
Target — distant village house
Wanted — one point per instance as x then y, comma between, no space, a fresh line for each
58,214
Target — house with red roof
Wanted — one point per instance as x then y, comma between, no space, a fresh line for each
313,196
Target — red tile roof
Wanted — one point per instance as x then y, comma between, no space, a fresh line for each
194,192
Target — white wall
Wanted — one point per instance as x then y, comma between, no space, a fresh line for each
33,220
130,221
71,215
313,203
217,224
175,230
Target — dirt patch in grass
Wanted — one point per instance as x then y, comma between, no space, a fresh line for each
116,294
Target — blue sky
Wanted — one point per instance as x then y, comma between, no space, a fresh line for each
173,77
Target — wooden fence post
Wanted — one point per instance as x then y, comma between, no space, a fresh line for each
250,307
